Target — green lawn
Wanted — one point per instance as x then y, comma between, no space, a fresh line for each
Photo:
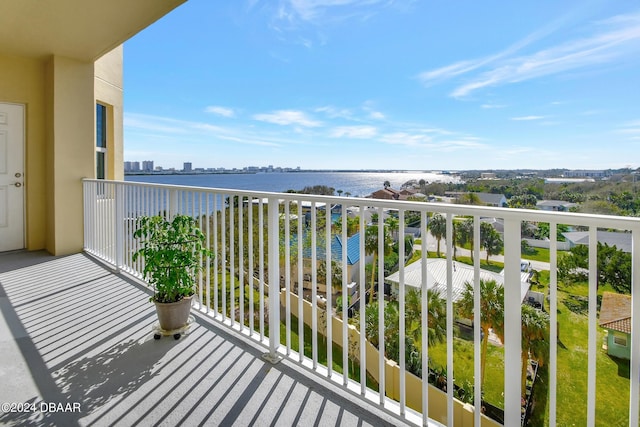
612,375
463,367
537,254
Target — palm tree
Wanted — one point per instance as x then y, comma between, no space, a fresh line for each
352,225
394,224
347,194
339,192
464,234
371,247
491,313
386,184
436,322
490,240
438,227
535,338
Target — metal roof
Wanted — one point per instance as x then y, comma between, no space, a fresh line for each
437,277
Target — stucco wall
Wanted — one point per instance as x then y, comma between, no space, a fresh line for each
109,92
22,82
59,95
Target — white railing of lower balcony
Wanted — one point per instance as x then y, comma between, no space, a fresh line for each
264,238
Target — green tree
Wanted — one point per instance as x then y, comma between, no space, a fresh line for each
535,339
470,199
523,201
352,225
436,322
491,313
394,224
464,234
371,247
490,240
438,227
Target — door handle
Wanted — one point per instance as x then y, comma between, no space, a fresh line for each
18,175
17,184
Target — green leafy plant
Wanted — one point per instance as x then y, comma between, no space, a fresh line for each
172,252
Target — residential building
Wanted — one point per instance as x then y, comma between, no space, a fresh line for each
621,240
555,205
437,278
582,173
147,166
187,167
487,199
389,193
615,317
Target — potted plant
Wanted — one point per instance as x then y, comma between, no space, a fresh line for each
172,251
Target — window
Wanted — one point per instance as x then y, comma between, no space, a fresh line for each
101,141
620,339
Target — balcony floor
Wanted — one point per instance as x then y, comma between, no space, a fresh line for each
73,332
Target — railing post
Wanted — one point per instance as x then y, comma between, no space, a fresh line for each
119,228
274,280
512,323
635,328
173,203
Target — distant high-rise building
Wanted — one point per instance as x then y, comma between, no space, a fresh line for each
187,167
135,166
127,167
147,165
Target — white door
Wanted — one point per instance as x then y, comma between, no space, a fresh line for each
11,177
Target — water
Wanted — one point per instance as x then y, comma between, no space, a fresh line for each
359,184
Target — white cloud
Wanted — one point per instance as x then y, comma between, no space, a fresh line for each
613,39
170,129
410,140
221,111
491,106
359,132
377,115
334,112
287,117
527,118
314,10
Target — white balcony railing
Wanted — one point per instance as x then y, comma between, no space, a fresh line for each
261,239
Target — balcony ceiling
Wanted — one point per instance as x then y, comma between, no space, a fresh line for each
78,29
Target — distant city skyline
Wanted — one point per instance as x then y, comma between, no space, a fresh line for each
387,85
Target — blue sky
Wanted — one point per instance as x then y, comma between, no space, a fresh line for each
364,84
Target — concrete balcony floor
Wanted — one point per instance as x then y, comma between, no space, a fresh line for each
74,333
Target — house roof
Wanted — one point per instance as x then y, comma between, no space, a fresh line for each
437,277
612,238
615,312
492,199
555,203
353,249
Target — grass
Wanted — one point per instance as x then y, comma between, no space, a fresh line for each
463,367
537,254
612,375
